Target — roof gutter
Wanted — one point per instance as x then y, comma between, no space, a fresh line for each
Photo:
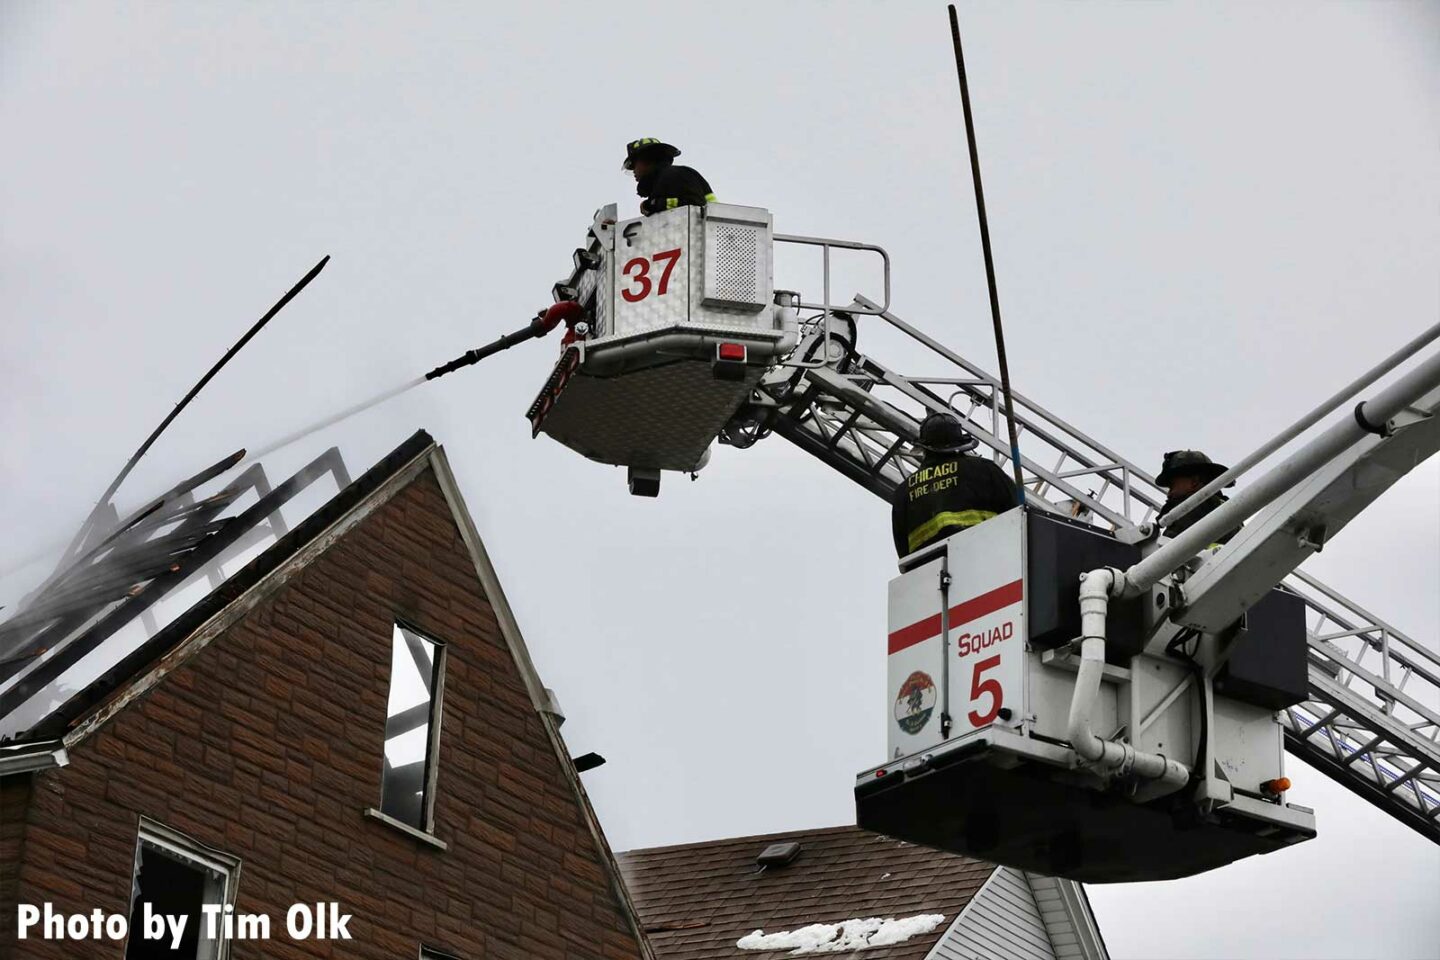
18,758
1082,918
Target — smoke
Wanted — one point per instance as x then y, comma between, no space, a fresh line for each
50,550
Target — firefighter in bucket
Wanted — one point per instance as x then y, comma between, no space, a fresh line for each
660,181
951,490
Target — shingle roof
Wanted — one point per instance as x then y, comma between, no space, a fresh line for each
697,900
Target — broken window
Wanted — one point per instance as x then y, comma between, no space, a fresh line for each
175,877
412,728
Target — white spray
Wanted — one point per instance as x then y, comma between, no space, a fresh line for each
330,421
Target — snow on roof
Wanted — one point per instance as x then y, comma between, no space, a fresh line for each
704,901
845,935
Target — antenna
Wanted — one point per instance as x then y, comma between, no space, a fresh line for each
989,260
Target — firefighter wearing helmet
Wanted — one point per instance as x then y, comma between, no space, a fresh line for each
663,184
950,490
1182,474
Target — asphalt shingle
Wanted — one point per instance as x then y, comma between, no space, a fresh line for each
696,900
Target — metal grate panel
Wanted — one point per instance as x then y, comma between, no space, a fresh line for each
734,264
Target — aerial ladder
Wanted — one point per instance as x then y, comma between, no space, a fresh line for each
1070,690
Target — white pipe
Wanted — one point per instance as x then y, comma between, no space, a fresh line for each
787,320
1096,588
1304,423
1371,416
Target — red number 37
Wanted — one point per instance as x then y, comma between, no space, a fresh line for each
638,270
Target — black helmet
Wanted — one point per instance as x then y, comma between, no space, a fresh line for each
647,147
1193,462
942,433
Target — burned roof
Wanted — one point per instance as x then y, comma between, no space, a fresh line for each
123,596
698,900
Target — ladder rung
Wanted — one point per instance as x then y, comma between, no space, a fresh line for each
844,428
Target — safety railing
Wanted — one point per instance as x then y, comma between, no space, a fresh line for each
826,307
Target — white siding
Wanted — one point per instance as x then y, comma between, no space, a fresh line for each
1002,921
1066,915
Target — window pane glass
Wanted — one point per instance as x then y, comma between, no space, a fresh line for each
413,663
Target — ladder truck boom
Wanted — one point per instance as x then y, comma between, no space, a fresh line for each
1244,656
1300,520
1371,720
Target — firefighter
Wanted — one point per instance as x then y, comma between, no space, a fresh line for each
1182,474
660,181
949,491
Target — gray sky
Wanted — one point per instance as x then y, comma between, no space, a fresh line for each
1205,218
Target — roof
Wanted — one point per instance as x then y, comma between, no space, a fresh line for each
116,592
697,900
126,595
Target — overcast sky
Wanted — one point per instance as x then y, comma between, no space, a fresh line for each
1205,219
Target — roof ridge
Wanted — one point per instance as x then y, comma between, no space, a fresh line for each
721,841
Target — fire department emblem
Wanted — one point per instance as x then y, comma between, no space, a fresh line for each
915,702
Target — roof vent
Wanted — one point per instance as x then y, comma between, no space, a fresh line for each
778,854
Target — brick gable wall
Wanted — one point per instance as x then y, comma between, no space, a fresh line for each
267,744
14,797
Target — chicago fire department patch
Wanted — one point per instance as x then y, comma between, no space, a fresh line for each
915,702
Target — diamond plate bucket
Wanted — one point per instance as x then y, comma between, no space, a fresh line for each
642,389
662,417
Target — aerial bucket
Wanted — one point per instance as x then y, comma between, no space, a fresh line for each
982,677
682,325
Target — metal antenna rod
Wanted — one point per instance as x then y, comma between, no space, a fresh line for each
155,435
989,260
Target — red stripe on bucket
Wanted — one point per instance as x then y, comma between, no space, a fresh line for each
972,609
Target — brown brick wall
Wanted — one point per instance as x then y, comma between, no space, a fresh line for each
268,745
14,798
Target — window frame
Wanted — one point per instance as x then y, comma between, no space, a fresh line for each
426,829
182,847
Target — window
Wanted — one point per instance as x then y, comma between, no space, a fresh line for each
176,876
412,729
430,953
